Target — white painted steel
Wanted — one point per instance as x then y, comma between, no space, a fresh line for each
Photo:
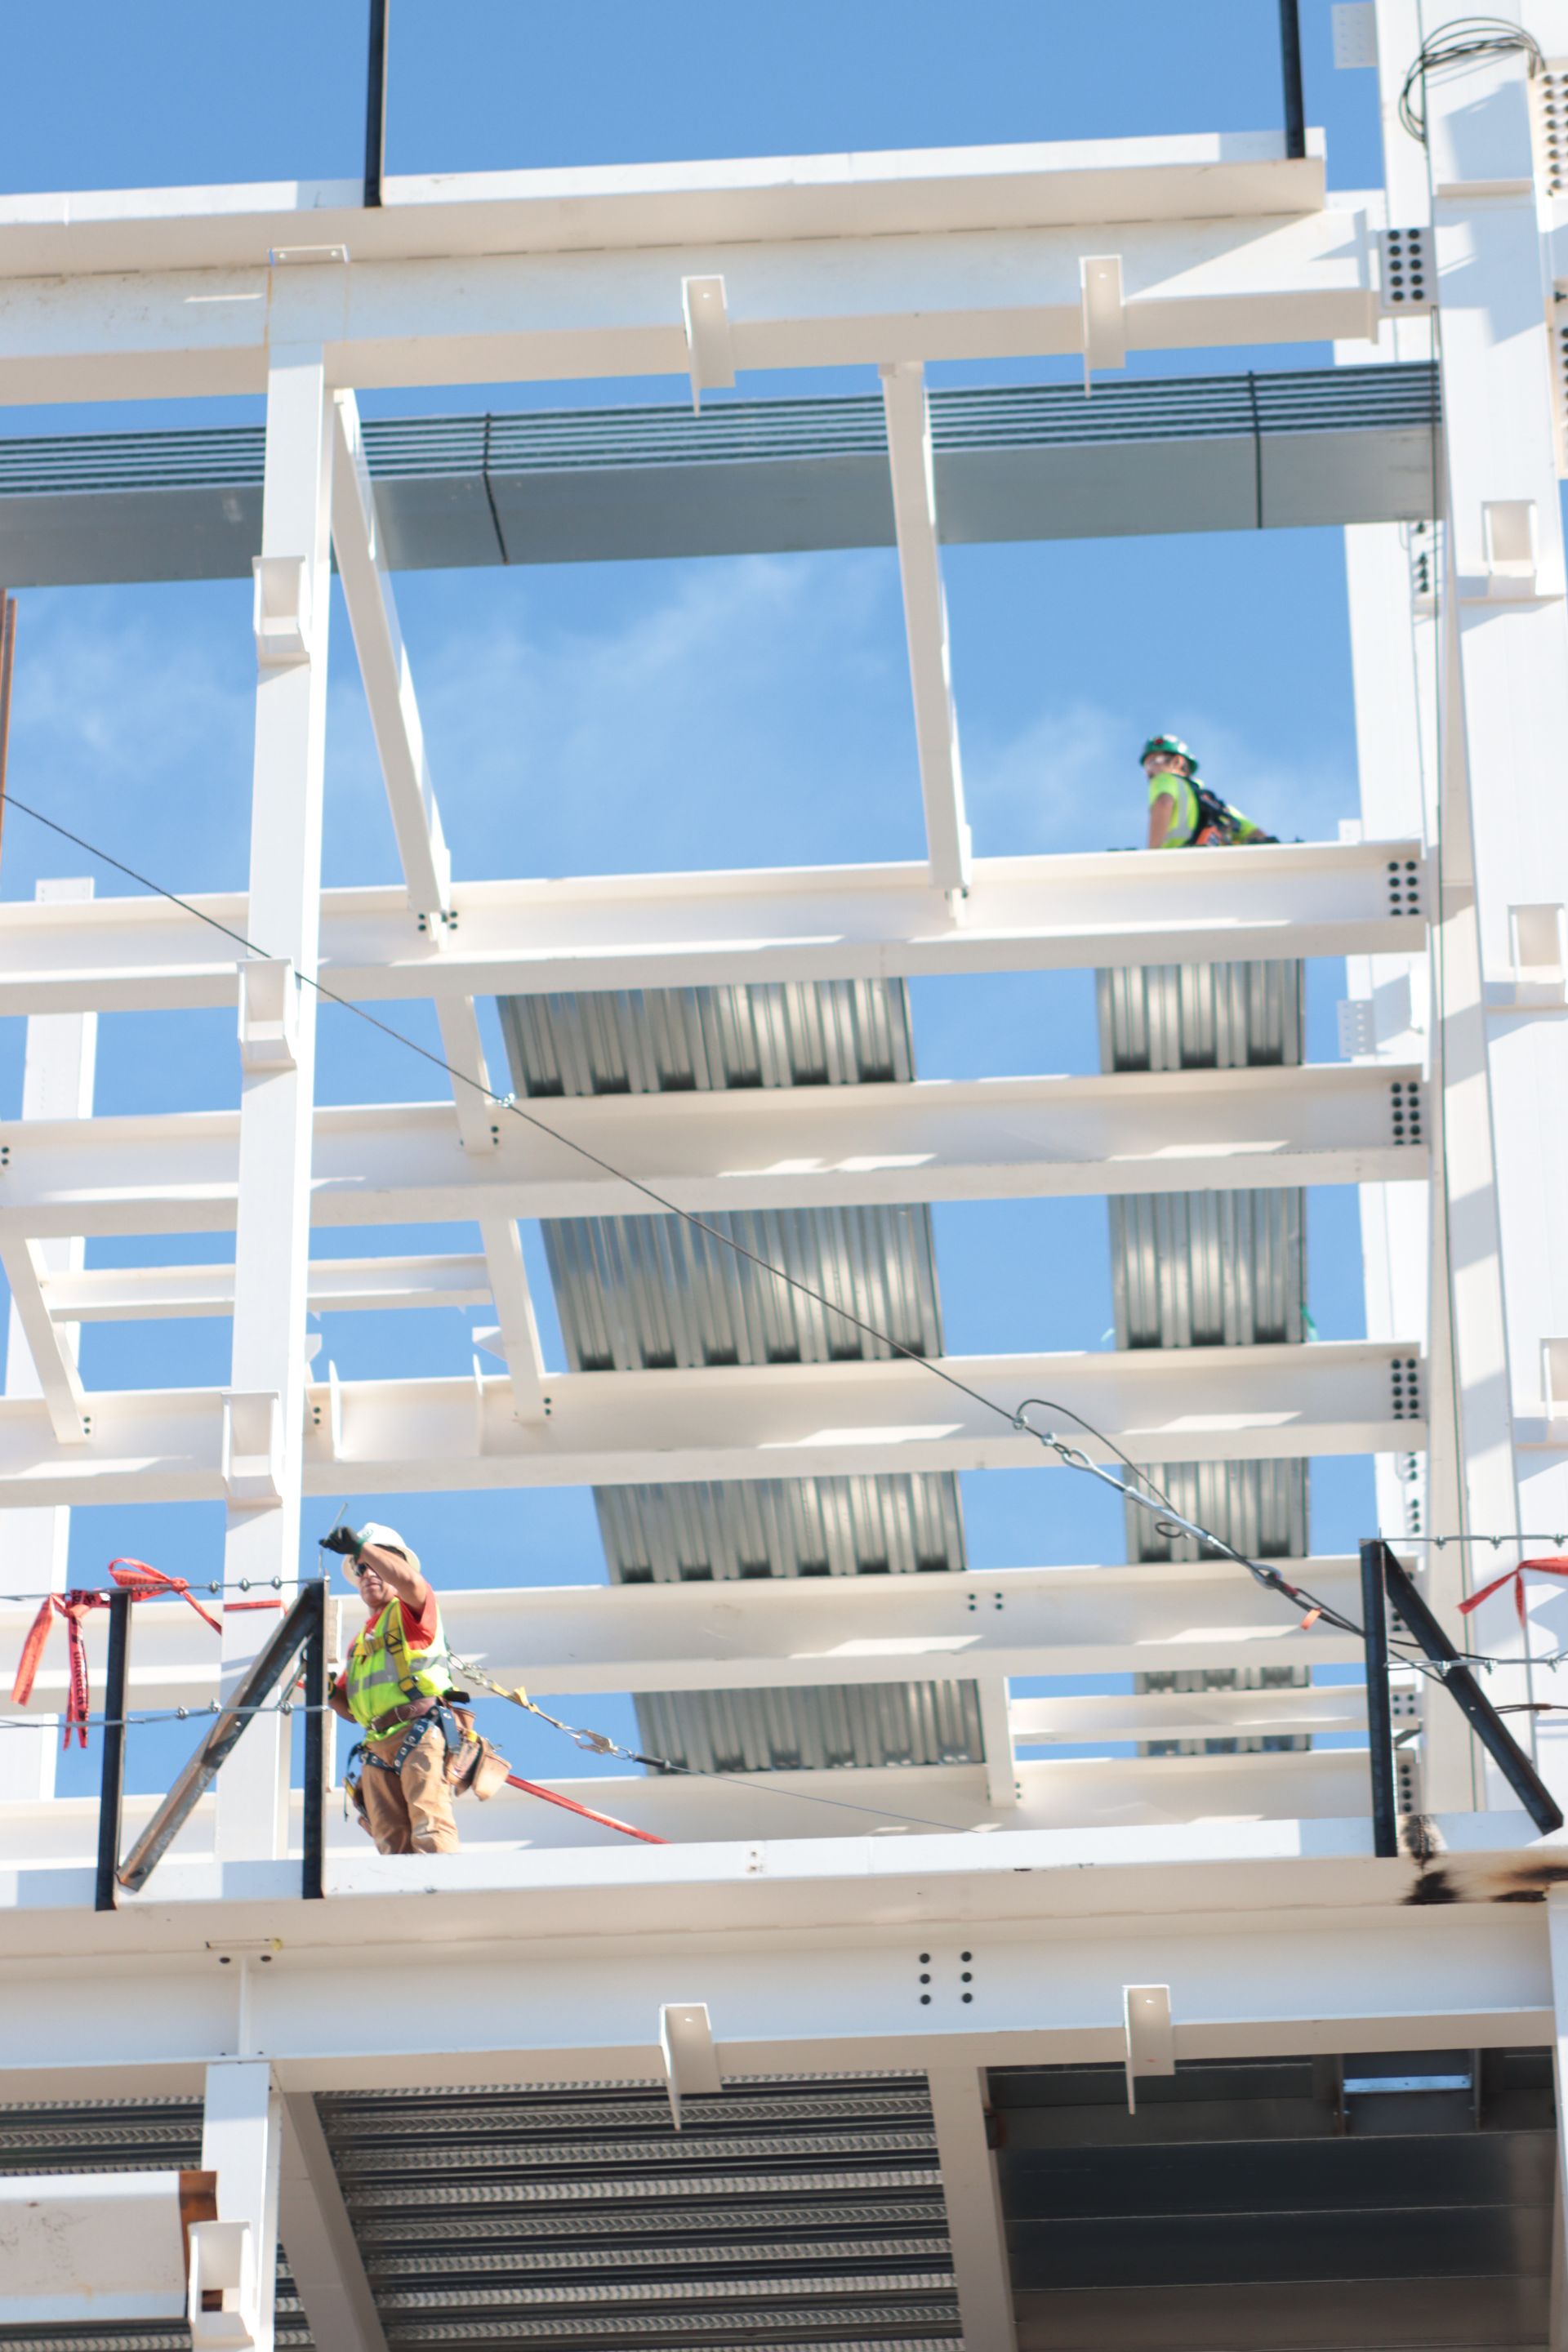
840,297
1193,1715
1022,914
765,1148
319,2244
974,2202
242,2143
57,1069
351,1285
79,2249
925,622
383,665
272,1229
1273,1937
1235,1404
778,1633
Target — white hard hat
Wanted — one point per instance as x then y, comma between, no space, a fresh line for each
384,1539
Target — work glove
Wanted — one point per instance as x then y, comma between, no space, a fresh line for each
341,1540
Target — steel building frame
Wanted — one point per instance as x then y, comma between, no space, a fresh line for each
1001,1916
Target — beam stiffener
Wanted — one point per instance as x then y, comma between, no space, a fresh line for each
57,1087
973,2197
318,2237
925,622
264,1427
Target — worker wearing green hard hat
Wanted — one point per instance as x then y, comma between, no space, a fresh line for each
1182,813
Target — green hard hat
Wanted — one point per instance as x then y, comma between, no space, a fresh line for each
1170,743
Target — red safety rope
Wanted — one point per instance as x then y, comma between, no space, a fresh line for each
607,1820
1515,1575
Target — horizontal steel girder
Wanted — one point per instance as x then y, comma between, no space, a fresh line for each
776,1633
1001,290
1273,1936
765,1147
668,930
1225,1404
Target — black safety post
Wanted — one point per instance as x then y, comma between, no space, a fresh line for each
375,104
1468,1695
111,1783
1290,67
1379,1705
315,1696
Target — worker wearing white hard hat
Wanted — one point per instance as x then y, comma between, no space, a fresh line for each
395,1689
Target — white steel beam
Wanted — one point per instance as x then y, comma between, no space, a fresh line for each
263,1429
318,2237
788,1633
383,667
847,1420
57,1091
907,422
765,1147
996,1734
1273,1939
353,1285
867,922
974,2202
1196,1714
960,293
935,190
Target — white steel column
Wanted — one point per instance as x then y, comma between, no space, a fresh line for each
925,621
57,1084
265,1416
974,2202
241,2142
1502,947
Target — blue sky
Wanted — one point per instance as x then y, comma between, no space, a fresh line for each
742,711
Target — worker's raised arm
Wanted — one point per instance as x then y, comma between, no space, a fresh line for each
396,1574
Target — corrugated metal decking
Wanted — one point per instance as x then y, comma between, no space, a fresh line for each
1289,447
1211,1270
800,2209
652,1292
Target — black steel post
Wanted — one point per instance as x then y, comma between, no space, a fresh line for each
1379,1705
1291,67
317,1733
112,1783
1468,1695
375,104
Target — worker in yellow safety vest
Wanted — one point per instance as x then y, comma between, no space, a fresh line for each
1182,813
415,1747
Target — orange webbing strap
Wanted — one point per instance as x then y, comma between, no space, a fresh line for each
141,1582
73,1607
1515,1575
607,1820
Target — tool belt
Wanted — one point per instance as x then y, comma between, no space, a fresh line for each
473,1766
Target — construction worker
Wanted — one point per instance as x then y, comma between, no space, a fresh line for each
1182,813
401,1772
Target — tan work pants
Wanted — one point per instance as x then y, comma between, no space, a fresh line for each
409,1811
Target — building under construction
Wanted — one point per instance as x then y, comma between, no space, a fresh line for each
1052,2027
